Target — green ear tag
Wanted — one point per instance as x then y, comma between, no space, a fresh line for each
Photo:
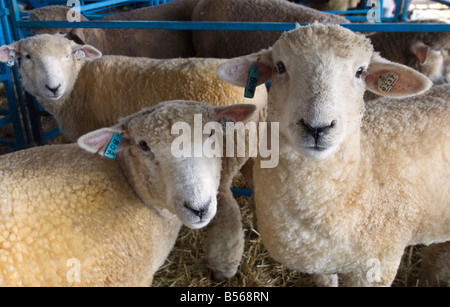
113,146
252,82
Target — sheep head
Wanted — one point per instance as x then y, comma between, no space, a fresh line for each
185,185
49,65
319,74
433,61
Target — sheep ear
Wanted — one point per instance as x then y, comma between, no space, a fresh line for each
236,113
99,141
386,78
421,51
85,51
5,52
236,71
77,36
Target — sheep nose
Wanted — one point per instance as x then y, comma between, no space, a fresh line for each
317,132
199,211
53,89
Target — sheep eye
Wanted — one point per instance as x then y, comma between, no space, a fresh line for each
28,57
144,146
359,72
281,68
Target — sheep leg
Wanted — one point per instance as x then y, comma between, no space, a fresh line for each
322,280
225,241
374,276
436,265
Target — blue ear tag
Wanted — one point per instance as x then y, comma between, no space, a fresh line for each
252,82
113,146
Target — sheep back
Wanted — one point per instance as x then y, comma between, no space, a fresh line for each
113,86
59,204
228,44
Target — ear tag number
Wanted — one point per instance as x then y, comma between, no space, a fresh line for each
252,82
79,54
11,59
387,81
113,146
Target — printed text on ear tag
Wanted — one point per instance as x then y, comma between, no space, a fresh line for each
387,81
252,82
113,146
11,59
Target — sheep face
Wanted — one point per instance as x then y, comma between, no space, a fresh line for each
437,66
186,186
433,61
321,94
49,64
319,74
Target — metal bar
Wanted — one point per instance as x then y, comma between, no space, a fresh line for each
404,15
232,26
348,12
100,4
7,143
241,192
446,2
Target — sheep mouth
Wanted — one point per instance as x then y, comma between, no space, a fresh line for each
54,97
318,152
317,148
198,224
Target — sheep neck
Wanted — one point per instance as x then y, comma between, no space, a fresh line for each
342,167
137,180
340,172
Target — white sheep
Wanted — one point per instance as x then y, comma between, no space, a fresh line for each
333,5
72,218
356,183
85,91
427,52
75,82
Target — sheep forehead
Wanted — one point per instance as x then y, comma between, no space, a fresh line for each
317,37
155,124
45,44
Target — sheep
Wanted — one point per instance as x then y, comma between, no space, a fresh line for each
71,217
90,92
74,82
334,5
356,182
436,265
426,52
211,43
161,44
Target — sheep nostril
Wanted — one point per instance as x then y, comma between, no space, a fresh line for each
53,89
314,131
198,211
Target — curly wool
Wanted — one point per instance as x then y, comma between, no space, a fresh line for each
383,189
59,204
